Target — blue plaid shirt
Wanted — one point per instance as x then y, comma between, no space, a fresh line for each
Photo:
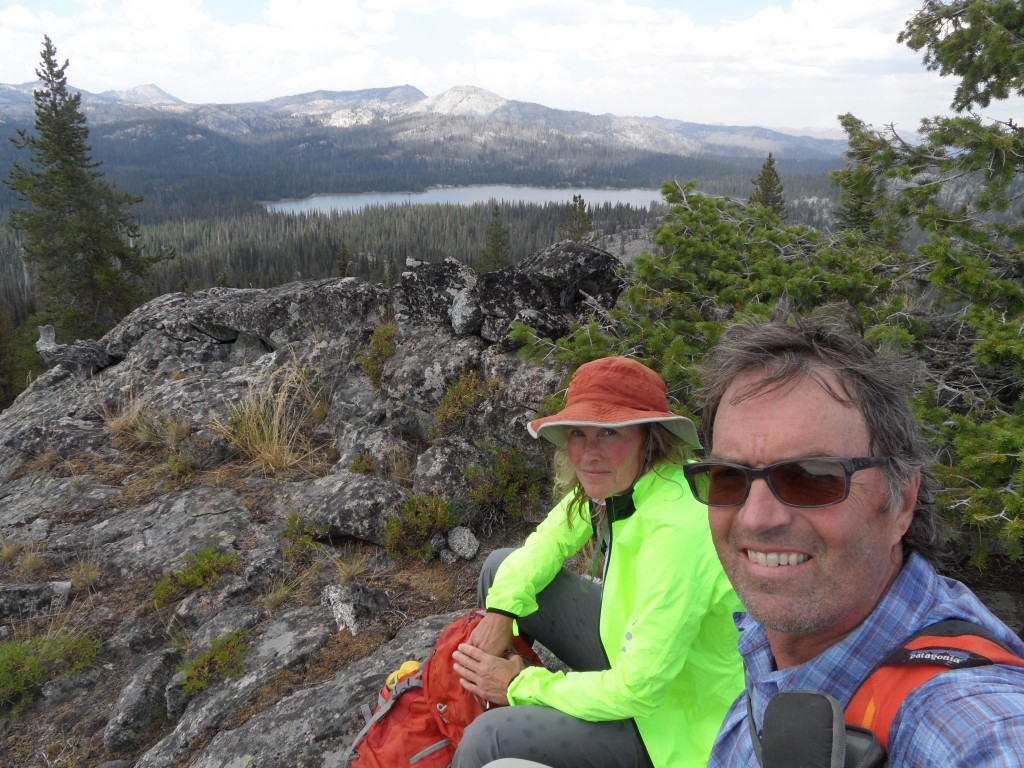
968,718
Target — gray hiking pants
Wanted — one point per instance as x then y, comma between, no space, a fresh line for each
567,624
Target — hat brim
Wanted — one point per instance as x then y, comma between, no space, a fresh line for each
555,428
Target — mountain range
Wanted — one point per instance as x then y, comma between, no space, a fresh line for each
426,117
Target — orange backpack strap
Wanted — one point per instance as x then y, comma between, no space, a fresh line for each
947,645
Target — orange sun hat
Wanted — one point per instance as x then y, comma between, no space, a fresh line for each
614,392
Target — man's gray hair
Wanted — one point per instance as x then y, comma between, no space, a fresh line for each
878,384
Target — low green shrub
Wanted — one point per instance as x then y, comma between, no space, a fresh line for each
225,657
460,402
363,464
182,467
379,350
301,535
409,533
201,570
512,488
25,665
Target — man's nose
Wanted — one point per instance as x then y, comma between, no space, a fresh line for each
762,509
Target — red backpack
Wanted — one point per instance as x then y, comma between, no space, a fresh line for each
421,713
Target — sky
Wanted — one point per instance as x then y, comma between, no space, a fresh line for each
794,65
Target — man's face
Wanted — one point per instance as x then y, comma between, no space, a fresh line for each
809,576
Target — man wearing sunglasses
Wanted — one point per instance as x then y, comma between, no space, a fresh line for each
820,507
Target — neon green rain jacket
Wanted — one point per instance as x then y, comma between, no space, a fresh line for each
666,622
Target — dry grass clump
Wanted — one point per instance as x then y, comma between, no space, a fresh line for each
132,424
273,426
85,574
122,422
40,462
9,552
160,430
73,466
51,461
31,565
350,564
283,591
399,466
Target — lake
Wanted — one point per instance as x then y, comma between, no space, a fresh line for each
509,193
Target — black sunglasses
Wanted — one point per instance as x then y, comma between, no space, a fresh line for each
813,482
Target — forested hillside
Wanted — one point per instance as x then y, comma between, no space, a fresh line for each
262,249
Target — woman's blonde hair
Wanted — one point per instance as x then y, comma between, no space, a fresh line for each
662,447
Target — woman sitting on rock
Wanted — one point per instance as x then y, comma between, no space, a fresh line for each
650,640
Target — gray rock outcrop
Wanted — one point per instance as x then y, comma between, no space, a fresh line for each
83,357
132,512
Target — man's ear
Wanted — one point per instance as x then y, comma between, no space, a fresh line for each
908,502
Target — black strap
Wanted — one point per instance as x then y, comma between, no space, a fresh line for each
620,507
755,739
805,729
801,728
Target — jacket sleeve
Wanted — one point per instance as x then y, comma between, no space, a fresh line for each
674,579
531,567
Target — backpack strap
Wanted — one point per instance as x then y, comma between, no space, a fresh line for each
806,729
428,751
384,704
946,645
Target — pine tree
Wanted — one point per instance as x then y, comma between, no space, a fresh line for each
577,225
343,264
864,200
768,189
80,238
976,41
496,254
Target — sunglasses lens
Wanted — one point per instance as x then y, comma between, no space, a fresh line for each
802,483
810,482
724,486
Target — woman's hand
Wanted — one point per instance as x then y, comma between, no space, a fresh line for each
486,675
492,634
